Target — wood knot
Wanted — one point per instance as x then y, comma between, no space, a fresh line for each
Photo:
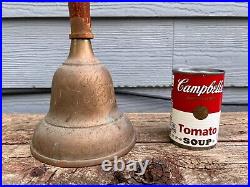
242,132
119,177
158,171
161,171
38,171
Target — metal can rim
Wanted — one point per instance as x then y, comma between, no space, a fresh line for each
199,71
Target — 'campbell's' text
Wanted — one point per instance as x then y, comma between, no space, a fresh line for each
213,88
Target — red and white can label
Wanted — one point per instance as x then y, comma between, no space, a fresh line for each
196,101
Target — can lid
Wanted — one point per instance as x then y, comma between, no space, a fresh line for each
198,71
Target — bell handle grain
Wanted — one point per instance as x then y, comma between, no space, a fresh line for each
80,20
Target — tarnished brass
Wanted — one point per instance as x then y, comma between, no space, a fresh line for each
83,126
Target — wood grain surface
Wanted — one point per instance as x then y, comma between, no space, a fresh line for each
225,164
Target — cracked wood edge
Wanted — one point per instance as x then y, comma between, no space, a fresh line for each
215,166
150,127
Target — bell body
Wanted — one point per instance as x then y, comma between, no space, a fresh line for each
83,126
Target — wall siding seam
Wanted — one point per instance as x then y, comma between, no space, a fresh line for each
135,9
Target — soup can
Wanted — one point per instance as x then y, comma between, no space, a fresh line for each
196,107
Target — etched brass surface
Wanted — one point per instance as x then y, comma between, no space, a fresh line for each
83,126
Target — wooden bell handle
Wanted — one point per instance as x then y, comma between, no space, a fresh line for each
80,20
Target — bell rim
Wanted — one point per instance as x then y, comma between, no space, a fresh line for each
81,163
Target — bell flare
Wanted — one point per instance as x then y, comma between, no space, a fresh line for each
79,147
83,126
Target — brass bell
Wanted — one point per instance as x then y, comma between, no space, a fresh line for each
83,126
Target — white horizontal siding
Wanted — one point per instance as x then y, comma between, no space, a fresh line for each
139,52
209,44
130,9
39,103
229,94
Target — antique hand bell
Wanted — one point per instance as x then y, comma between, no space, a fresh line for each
83,126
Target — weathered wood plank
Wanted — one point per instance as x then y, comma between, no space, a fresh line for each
129,9
169,164
18,128
177,166
213,44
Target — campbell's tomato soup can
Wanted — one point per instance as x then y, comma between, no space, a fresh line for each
196,107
